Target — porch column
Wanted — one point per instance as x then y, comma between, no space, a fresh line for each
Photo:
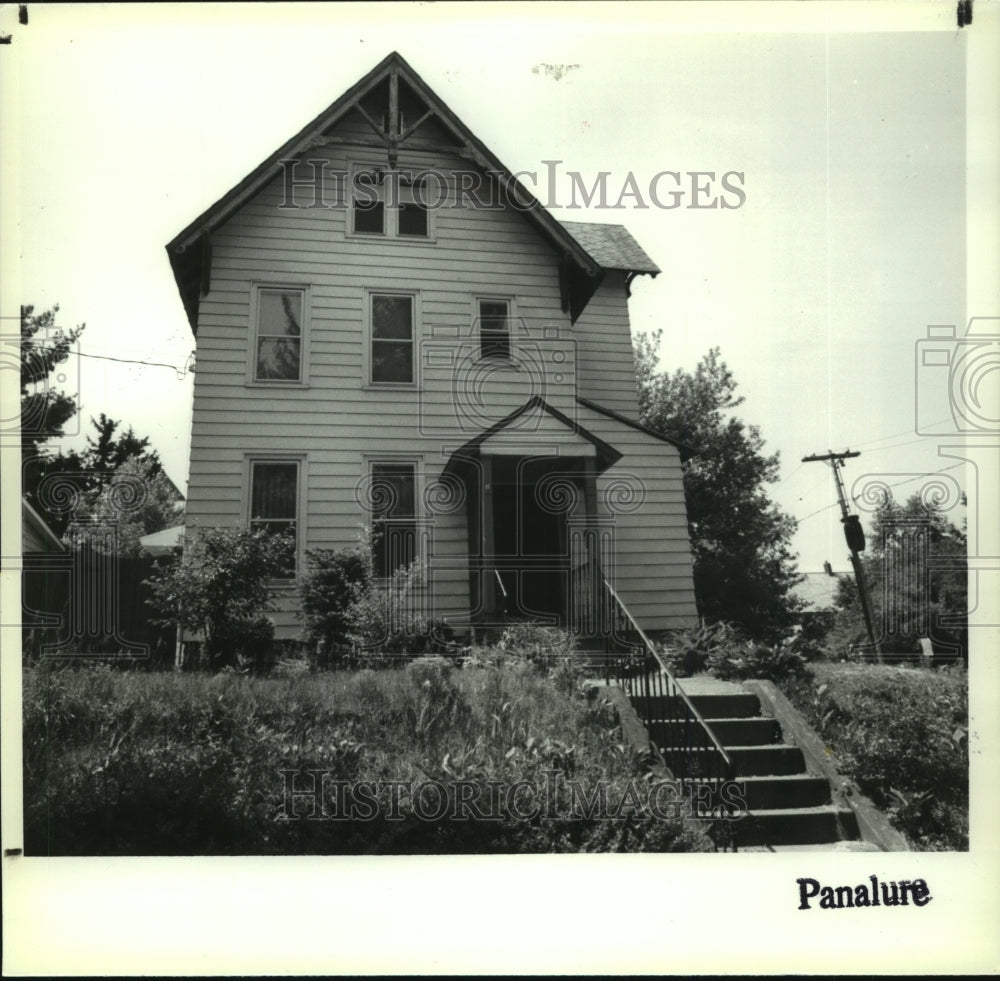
594,570
487,553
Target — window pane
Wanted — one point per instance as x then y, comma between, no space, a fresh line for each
494,329
392,317
392,361
273,492
279,314
369,218
394,490
278,358
412,219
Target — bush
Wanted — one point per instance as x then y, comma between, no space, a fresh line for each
388,618
535,642
331,583
220,589
902,734
688,651
772,662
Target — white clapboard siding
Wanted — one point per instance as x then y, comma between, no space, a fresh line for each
337,423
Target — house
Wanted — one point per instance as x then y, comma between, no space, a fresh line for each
392,332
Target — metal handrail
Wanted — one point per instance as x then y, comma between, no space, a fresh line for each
496,572
673,683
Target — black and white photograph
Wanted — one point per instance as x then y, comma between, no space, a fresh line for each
500,487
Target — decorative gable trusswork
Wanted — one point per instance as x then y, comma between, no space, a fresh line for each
399,109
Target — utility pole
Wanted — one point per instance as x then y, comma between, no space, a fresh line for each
854,534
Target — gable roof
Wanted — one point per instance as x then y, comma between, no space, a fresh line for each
606,455
686,451
611,247
190,250
36,535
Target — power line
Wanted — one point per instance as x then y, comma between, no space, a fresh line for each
107,357
909,480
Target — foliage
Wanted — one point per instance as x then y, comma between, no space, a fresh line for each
45,409
925,590
688,651
90,478
536,642
168,764
772,662
389,617
330,584
744,570
721,650
902,734
134,501
221,587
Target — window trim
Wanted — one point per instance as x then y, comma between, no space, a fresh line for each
371,460
390,223
415,306
512,321
301,475
256,288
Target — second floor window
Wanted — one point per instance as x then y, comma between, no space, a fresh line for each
391,338
278,339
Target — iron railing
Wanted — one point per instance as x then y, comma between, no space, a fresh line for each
685,741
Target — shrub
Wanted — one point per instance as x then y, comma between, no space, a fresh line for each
220,589
536,642
771,662
388,618
331,583
688,651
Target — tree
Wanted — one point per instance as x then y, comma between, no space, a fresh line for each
916,568
744,571
87,478
135,499
45,409
221,587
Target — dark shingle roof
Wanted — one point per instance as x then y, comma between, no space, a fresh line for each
611,246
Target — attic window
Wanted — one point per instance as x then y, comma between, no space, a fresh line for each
369,201
389,203
412,209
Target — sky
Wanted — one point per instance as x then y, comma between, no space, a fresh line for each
850,139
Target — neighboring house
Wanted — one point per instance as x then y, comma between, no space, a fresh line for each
455,369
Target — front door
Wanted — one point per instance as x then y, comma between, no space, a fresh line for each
531,499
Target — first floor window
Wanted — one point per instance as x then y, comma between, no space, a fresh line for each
274,494
395,516
494,329
392,338
278,354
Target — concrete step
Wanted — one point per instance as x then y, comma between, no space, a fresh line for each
729,706
748,761
795,826
776,792
737,732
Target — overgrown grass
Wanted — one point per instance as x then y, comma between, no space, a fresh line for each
161,764
901,733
